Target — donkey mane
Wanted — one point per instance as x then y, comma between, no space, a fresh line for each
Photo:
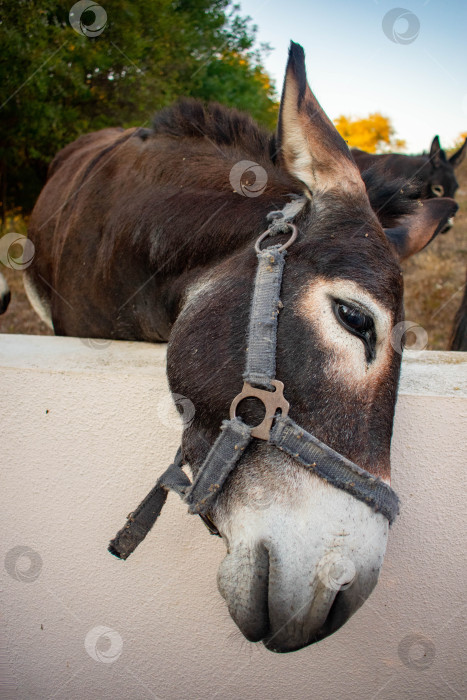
225,126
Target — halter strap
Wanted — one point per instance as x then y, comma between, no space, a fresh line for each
141,520
277,429
334,467
262,336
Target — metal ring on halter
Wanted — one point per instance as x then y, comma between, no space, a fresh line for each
286,244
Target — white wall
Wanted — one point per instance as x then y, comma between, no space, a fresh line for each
85,432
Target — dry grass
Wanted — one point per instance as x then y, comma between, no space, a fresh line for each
434,281
20,317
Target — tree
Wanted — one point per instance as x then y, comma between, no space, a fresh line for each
56,83
459,141
374,134
239,81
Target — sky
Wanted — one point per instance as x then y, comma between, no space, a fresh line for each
354,68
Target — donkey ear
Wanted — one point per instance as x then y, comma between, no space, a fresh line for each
308,143
437,155
457,158
416,230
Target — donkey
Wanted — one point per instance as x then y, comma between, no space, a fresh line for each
140,235
431,175
5,294
434,170
458,340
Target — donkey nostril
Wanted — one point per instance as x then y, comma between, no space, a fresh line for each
243,580
338,614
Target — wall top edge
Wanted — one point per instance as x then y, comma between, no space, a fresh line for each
431,373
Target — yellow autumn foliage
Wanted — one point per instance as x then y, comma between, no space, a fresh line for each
374,134
460,140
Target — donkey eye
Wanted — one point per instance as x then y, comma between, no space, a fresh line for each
359,324
353,319
437,190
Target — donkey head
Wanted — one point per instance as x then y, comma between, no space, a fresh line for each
441,181
302,555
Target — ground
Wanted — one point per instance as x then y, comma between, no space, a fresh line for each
435,278
434,281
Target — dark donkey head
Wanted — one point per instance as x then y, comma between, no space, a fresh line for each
302,556
440,179
428,175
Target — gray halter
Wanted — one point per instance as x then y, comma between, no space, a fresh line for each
276,429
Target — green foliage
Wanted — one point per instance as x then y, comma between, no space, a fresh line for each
238,82
56,83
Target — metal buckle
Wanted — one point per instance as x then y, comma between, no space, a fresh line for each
288,243
272,400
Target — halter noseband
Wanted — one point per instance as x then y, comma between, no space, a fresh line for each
276,429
